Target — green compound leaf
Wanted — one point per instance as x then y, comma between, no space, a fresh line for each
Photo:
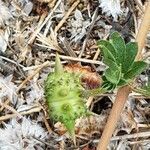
120,59
131,52
118,43
136,69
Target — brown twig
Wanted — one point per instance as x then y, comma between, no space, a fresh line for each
123,92
144,27
47,125
74,5
45,115
9,116
32,75
33,35
129,136
11,109
80,60
94,18
5,103
44,22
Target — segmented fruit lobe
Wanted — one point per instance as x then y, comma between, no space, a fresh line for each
64,98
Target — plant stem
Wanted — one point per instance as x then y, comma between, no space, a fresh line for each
142,34
123,92
94,92
114,116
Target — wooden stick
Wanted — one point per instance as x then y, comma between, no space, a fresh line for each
123,92
122,96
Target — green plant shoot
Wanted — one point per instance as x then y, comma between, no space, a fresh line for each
120,59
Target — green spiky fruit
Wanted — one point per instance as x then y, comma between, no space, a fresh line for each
64,97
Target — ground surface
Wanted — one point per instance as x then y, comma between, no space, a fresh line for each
31,32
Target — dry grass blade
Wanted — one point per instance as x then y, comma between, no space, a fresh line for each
67,48
9,116
81,60
34,34
135,135
38,66
11,61
123,93
45,21
94,18
11,109
50,41
130,136
74,5
32,75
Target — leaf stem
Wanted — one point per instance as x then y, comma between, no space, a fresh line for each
95,92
